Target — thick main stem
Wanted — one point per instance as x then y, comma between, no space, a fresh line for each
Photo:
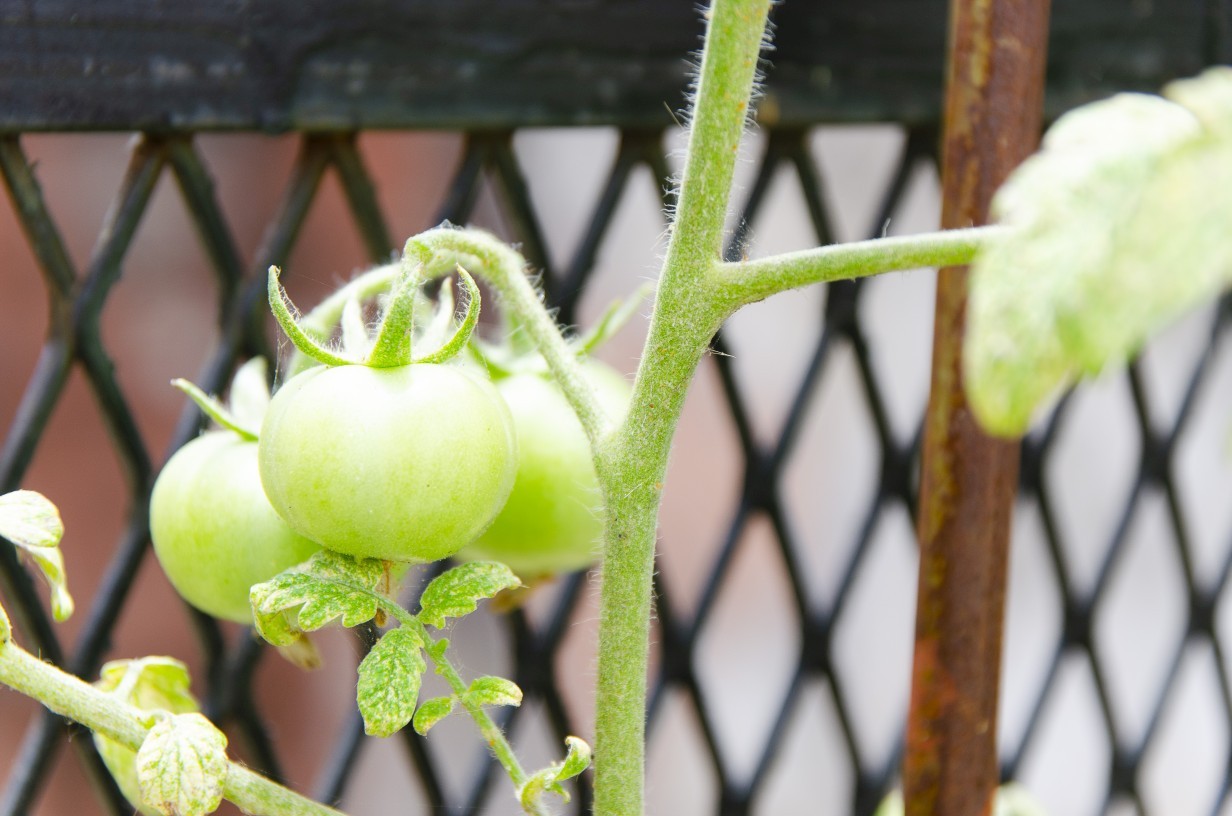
633,464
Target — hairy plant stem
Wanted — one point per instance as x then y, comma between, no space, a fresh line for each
633,463
487,726
744,282
71,697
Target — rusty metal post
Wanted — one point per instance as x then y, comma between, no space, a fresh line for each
993,108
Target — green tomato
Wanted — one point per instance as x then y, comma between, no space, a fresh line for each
553,521
401,464
214,531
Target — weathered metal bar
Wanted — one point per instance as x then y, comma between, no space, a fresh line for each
994,102
318,65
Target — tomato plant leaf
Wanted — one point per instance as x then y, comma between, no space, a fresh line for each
576,760
32,523
151,684
389,679
431,712
1118,226
456,593
306,597
182,765
494,691
548,779
6,629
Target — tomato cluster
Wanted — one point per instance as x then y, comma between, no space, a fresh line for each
408,463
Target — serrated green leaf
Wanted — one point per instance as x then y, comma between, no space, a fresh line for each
151,684
250,395
431,712
891,805
5,627
32,523
182,765
494,691
310,595
456,593
576,760
1118,225
389,678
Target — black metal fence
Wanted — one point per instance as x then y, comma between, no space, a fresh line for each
1094,588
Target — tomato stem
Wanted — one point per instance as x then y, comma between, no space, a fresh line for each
487,726
115,719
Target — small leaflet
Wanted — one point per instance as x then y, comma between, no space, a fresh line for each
389,678
6,628
182,765
548,780
431,712
32,523
456,593
1118,226
494,691
308,596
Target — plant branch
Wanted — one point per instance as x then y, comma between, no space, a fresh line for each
492,732
743,282
71,697
441,250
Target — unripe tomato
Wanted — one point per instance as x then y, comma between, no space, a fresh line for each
214,531
403,464
553,521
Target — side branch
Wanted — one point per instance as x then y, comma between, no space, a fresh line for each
71,697
743,282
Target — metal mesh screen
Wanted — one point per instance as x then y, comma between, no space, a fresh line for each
1118,552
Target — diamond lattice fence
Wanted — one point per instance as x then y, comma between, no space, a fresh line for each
787,567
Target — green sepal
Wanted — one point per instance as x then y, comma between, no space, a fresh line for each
618,313
182,765
548,780
493,691
308,596
285,313
470,319
389,680
431,712
249,396
32,523
216,411
456,593
356,341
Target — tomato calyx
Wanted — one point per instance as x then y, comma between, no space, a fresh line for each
390,345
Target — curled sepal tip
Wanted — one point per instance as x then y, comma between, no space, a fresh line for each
456,593
32,523
470,319
182,765
389,679
284,312
550,778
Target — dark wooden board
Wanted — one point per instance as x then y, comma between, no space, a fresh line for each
276,65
